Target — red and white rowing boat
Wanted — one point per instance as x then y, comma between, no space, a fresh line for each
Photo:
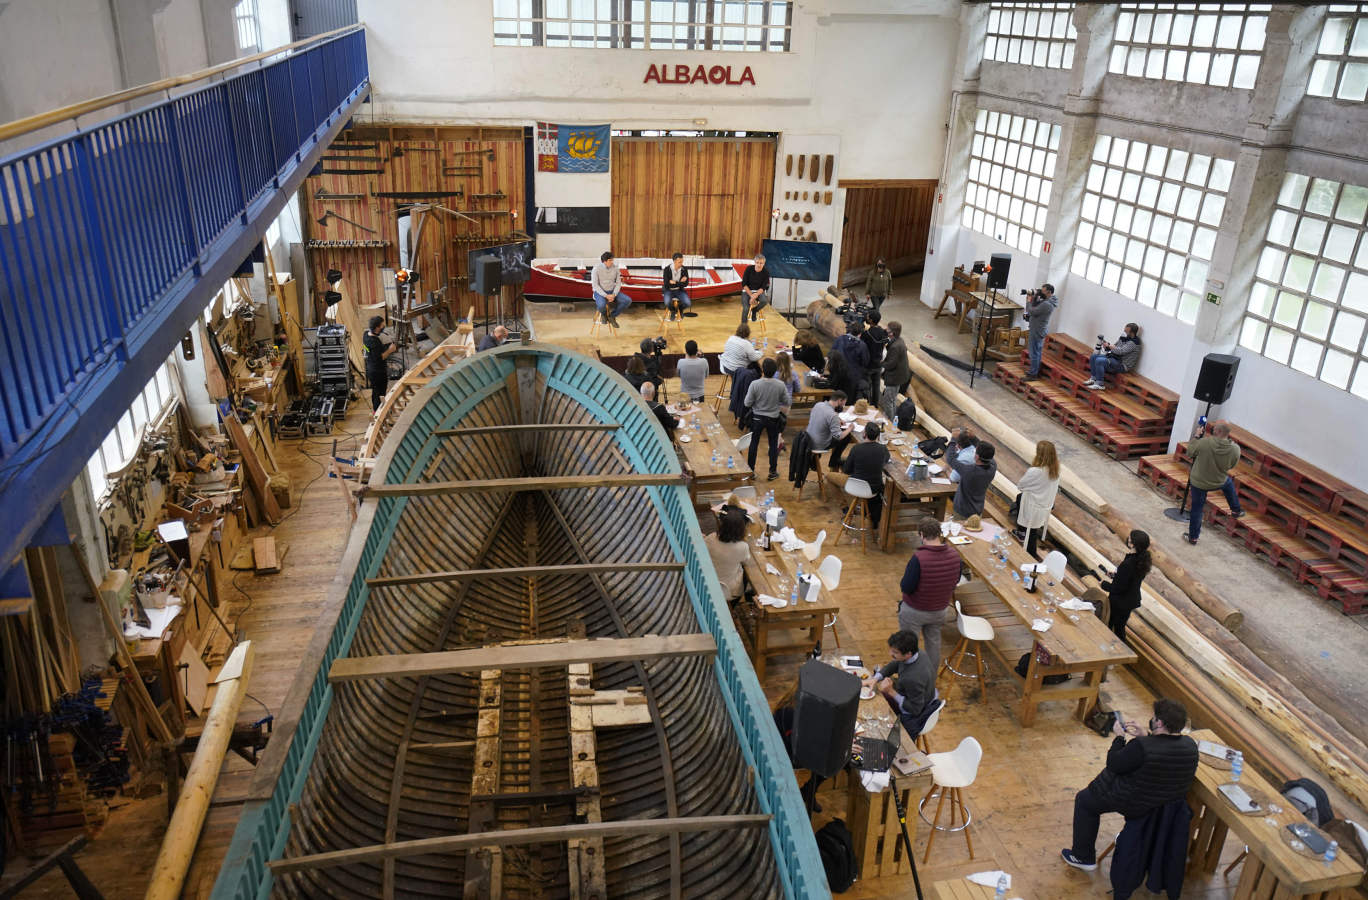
569,279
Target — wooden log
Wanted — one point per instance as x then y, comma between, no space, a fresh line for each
182,834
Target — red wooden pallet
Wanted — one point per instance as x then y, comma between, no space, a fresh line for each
1336,583
1345,543
1352,506
1258,494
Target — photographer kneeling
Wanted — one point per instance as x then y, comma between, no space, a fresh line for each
1119,357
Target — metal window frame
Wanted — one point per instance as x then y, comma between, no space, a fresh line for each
704,26
1357,14
99,487
1105,165
1223,11
1005,40
1300,212
1037,236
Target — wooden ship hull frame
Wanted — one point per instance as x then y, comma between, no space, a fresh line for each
433,746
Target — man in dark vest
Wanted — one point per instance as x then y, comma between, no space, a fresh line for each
928,585
1140,776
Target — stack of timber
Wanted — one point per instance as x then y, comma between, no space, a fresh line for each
507,698
1132,417
457,346
1297,516
1183,651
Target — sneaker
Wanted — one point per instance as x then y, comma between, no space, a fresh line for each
1031,378
1068,857
1189,538
1239,514
1093,386
773,476
612,320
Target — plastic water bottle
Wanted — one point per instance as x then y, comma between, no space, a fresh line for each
1331,852
800,571
793,595
1001,891
731,462
1236,766
714,456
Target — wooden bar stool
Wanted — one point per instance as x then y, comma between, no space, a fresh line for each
599,321
819,458
666,321
974,633
723,392
951,772
860,493
760,320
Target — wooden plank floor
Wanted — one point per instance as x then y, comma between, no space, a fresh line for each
716,321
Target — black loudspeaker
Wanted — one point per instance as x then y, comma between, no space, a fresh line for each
1217,377
1000,264
488,275
824,717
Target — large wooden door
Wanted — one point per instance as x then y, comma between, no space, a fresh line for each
891,219
697,196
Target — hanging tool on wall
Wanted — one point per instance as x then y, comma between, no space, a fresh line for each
329,214
497,195
462,170
400,151
489,154
325,194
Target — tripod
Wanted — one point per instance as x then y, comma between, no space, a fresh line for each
983,333
907,841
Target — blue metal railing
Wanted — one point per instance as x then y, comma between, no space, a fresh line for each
265,823
109,237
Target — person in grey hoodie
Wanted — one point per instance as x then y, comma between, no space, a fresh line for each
607,285
974,480
1039,305
1123,356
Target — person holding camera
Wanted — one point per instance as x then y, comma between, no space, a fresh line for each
674,278
650,359
1123,356
1040,305
1140,776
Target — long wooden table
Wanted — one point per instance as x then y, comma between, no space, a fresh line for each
1272,869
705,435
1077,648
765,622
906,502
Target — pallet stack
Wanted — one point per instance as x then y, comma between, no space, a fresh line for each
1297,516
47,799
1132,417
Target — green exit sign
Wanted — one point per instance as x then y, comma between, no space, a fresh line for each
1213,298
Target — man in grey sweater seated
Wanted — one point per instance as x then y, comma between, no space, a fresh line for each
609,299
909,681
974,480
1123,356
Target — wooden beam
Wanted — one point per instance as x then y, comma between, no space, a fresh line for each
552,834
523,656
538,427
547,483
524,572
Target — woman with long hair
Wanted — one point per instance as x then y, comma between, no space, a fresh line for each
1124,587
1039,487
786,374
807,351
636,371
841,377
728,549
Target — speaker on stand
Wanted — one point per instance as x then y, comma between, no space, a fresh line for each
1215,381
488,281
999,266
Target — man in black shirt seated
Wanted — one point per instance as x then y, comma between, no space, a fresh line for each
1140,776
667,421
866,461
755,282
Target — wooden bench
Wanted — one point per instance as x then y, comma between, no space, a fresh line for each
1132,418
1297,517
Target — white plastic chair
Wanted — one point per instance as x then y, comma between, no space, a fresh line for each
952,771
813,549
860,494
930,726
829,571
1056,562
973,630
743,442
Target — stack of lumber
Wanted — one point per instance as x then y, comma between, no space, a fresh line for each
1132,417
47,800
1297,516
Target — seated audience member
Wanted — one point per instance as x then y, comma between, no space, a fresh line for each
928,586
875,339
787,377
909,681
767,400
674,278
1140,776
493,339
964,446
1123,356
728,548
635,372
738,351
897,372
825,429
866,460
807,351
1038,486
693,372
606,282
667,421
650,360
973,484
1123,591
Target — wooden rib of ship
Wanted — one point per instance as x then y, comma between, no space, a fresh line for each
527,683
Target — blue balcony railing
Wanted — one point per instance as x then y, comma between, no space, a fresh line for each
114,237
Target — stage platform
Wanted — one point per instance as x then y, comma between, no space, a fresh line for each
715,322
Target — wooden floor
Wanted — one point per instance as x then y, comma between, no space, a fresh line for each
1021,802
716,321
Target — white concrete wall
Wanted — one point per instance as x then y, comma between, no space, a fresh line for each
55,54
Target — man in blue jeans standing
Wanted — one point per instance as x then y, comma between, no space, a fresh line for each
1039,305
1213,458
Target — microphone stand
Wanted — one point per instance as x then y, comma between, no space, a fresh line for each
907,841
981,355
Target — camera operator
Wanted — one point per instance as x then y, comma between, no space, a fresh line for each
1040,304
649,354
1119,357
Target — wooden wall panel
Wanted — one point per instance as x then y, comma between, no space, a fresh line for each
446,240
891,219
699,196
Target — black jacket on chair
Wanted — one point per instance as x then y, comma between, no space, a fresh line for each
1145,773
800,459
1156,844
